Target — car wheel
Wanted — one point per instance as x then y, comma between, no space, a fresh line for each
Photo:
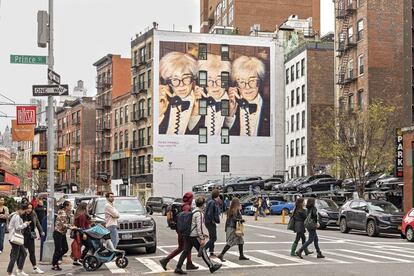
151,250
372,229
409,234
91,263
309,190
230,189
164,211
257,189
343,227
121,262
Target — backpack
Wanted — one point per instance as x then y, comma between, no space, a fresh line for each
172,215
184,221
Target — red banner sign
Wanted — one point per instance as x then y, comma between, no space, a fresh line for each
26,115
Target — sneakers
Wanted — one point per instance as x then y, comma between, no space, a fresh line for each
221,258
179,271
77,263
56,268
243,258
1,251
212,255
164,263
214,268
11,274
320,256
191,266
38,270
22,273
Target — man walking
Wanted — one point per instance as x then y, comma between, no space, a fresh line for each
212,218
111,218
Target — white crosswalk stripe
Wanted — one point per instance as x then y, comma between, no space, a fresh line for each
281,256
151,264
375,256
114,269
358,258
393,253
256,260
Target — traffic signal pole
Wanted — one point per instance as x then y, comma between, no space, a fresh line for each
49,244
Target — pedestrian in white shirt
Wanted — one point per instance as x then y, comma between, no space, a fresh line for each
111,218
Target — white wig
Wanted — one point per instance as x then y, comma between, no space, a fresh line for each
245,67
177,63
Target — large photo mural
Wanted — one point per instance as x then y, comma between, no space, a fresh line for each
213,88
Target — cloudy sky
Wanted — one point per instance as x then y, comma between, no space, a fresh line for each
86,30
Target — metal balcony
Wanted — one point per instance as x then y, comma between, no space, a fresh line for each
138,115
139,88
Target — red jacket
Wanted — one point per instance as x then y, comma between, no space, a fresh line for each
187,201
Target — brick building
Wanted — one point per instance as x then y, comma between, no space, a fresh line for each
408,51
241,15
113,80
75,120
369,56
309,90
5,160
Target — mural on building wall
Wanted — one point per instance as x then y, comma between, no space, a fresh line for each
210,88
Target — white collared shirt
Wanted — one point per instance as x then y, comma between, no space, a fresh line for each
249,123
178,121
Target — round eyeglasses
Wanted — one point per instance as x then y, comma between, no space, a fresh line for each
175,82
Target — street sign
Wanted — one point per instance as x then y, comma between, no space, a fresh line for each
158,159
53,76
26,115
50,90
21,59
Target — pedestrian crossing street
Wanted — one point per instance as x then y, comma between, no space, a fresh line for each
277,258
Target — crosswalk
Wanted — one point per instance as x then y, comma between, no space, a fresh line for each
276,258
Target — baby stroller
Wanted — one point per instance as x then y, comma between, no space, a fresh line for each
103,250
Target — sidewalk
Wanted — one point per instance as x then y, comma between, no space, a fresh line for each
67,267
268,219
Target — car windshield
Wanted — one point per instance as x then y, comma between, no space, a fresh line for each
168,199
125,205
326,204
384,207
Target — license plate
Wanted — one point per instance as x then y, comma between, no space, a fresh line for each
399,227
127,236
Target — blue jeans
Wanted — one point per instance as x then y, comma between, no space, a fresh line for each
2,232
114,234
313,238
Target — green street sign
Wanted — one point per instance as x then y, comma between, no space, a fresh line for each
20,59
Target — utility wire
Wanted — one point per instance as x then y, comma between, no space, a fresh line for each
7,97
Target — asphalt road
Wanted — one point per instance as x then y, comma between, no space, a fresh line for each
267,245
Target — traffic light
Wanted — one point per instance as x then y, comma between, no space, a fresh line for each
61,162
39,161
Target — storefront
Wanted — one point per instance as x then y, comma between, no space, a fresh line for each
8,182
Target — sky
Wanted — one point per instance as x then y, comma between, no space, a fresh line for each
85,31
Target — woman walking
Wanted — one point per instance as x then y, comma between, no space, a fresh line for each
17,253
4,214
59,235
311,225
233,237
82,221
299,216
30,235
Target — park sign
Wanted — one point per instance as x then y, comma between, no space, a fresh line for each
26,115
50,90
399,165
22,59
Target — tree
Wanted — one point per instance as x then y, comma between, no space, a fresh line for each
21,168
358,141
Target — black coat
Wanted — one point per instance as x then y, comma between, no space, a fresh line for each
299,217
314,213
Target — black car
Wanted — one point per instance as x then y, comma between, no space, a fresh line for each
243,184
158,204
372,216
291,184
320,184
270,182
390,183
306,180
328,212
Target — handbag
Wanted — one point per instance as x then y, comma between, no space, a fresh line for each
17,238
291,224
239,229
310,224
33,235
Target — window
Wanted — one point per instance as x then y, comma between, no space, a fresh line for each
287,76
292,98
149,159
202,108
225,108
141,108
202,78
149,78
134,166
297,121
121,115
225,163
303,119
361,64
303,93
292,123
202,51
231,14
225,135
126,114
149,105
141,137
149,47
225,79
298,95
202,135
202,163
297,147
287,151
350,35
121,140
134,139
116,141
350,69
126,139
360,29
287,126
135,58
292,148
351,103
141,164
292,172
141,82
149,135
297,69
116,117
360,99
225,52
302,67
303,170
302,143
142,53
292,73
287,102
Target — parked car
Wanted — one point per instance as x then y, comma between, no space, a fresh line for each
372,216
320,184
250,199
270,182
277,207
158,204
276,187
243,184
328,212
308,179
291,184
135,228
348,184
407,227
390,183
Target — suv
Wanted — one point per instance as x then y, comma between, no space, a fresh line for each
243,184
135,228
159,204
328,212
372,216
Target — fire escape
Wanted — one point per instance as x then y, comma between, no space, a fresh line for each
344,10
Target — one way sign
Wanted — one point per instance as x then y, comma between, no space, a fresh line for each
50,90
53,76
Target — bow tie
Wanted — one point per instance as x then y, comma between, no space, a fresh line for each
177,101
212,102
252,108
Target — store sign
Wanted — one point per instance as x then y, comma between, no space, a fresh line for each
26,115
399,168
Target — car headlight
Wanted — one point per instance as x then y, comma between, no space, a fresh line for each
148,223
323,214
385,218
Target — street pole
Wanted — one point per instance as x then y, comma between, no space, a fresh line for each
182,184
49,243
